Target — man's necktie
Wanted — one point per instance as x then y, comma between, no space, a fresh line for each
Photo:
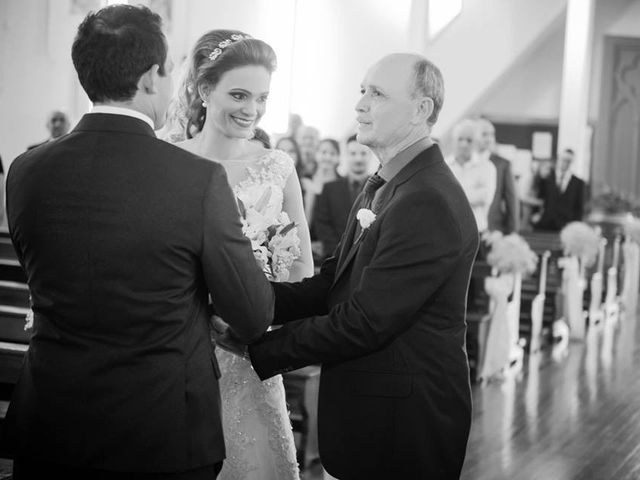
373,184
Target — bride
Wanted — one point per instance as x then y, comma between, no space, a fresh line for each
221,99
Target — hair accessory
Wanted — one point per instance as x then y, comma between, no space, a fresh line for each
236,37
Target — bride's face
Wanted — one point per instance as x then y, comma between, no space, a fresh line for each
238,101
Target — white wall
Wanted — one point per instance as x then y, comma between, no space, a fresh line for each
482,44
36,72
531,88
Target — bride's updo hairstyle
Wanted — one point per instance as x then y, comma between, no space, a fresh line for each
215,53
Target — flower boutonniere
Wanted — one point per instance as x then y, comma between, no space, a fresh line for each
366,217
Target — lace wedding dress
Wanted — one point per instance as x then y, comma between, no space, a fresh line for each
257,429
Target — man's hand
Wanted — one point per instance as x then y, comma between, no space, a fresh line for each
225,339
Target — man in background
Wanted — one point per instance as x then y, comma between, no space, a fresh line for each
57,124
334,203
562,193
477,175
503,212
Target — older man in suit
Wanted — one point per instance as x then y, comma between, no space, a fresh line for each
503,212
124,238
386,315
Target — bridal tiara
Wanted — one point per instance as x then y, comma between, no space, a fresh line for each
236,37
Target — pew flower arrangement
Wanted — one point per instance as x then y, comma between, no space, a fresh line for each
274,237
581,240
632,229
510,253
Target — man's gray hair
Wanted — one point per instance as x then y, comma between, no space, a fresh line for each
428,82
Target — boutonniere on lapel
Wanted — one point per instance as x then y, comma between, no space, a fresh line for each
366,217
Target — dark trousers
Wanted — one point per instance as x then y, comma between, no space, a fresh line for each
26,469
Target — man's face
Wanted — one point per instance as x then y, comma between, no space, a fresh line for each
358,158
464,137
485,136
308,139
386,109
165,91
58,124
564,162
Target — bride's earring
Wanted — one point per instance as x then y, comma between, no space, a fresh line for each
204,104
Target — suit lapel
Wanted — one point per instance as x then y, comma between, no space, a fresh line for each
350,247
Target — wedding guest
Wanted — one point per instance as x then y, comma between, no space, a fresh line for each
337,197
476,174
386,317
563,195
530,202
263,137
328,159
308,139
503,213
290,147
57,124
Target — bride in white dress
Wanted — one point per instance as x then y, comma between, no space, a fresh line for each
221,99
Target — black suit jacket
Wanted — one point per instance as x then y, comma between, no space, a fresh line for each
123,238
503,212
332,212
36,145
394,398
561,207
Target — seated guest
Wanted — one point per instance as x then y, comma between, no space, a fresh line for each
562,193
289,146
328,158
263,137
57,124
477,175
334,203
308,140
503,212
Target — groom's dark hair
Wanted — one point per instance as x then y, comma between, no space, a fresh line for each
114,47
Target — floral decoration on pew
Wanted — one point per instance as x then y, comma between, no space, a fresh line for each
581,240
510,253
632,229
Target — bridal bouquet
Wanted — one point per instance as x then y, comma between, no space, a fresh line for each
274,237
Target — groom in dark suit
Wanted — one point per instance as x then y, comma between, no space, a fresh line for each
124,238
388,312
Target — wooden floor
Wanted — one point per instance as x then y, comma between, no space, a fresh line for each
570,414
566,416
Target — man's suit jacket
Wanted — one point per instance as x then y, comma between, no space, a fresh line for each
36,145
123,238
503,213
394,398
561,207
332,212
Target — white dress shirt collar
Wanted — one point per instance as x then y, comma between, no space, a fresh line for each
123,111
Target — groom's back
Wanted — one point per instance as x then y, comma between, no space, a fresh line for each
107,222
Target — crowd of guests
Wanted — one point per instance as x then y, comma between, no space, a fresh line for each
547,200
551,197
327,193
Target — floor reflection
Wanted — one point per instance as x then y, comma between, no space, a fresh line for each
569,415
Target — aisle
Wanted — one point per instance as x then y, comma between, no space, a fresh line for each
565,417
